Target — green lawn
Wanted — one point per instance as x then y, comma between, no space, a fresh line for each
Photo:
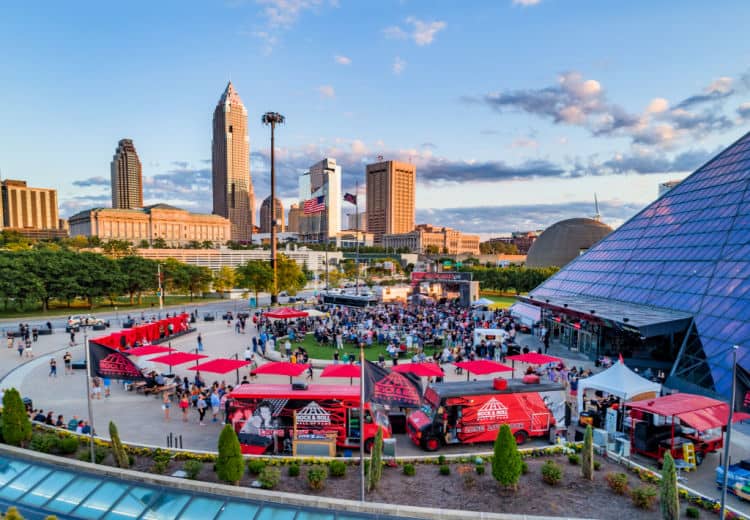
325,352
503,301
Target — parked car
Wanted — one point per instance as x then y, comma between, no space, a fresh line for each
739,478
285,297
75,322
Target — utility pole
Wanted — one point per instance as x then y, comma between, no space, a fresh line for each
88,391
272,119
728,440
356,235
160,292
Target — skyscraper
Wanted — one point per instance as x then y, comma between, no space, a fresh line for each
391,191
127,177
230,165
265,215
293,222
323,179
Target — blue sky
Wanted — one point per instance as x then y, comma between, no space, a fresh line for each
514,111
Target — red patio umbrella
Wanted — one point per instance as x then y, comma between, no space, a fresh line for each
147,350
220,365
285,313
282,368
482,366
177,358
419,369
346,370
533,358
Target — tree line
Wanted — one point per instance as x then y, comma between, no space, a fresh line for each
42,274
512,278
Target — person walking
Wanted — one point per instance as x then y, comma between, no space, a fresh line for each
200,342
184,406
215,405
107,387
201,406
165,405
52,367
248,354
68,362
72,337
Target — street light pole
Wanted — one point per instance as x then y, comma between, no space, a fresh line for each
728,440
272,119
88,392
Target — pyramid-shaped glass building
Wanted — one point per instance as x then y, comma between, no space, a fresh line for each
670,288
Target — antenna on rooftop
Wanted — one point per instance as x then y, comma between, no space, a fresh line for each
597,216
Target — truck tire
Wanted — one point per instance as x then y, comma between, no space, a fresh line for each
521,436
369,443
699,456
431,444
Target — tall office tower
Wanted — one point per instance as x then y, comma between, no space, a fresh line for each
127,177
292,223
323,179
265,215
230,165
391,189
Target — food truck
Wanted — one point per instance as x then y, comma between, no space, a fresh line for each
472,411
273,417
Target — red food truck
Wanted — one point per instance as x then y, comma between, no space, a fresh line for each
266,416
472,411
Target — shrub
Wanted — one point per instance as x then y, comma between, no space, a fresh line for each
255,466
316,477
161,461
375,471
192,468
121,456
480,469
293,470
16,423
337,468
229,463
524,467
668,497
43,442
410,470
469,481
445,469
506,462
67,445
12,514
269,477
441,460
574,459
551,473
617,482
644,497
692,512
597,465
587,454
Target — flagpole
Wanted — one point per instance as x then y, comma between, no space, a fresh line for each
356,234
362,423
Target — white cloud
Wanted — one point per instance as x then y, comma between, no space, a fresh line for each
524,142
281,15
421,31
343,60
398,65
526,3
721,85
326,91
657,106
358,147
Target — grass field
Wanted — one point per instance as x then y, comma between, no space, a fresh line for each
503,301
326,352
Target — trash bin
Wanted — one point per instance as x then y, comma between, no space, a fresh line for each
389,448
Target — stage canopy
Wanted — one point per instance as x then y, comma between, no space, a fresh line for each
618,380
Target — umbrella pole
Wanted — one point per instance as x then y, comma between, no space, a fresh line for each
237,370
362,425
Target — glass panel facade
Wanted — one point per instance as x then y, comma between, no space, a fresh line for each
48,488
687,251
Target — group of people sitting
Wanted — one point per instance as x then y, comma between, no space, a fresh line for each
75,424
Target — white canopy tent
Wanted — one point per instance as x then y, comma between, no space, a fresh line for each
315,313
482,302
527,314
619,380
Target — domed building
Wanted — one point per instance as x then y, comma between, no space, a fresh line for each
564,241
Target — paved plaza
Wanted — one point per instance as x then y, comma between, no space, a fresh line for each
140,419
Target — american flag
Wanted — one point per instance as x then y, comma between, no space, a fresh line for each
351,199
314,205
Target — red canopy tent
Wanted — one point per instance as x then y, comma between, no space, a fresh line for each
346,370
420,369
220,365
147,350
177,358
285,313
482,366
697,411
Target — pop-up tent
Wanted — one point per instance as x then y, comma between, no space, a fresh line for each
619,380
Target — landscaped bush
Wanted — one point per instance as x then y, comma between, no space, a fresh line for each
316,477
692,512
410,470
506,459
43,442
293,470
255,466
617,482
445,469
480,469
574,459
229,463
551,473
644,497
337,468
67,445
269,477
441,460
161,461
597,465
16,423
524,467
192,468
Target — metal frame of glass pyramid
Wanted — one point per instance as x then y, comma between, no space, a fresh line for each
687,252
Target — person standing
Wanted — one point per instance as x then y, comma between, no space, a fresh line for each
201,406
68,362
288,348
107,387
215,405
184,406
248,354
200,342
52,367
72,337
165,405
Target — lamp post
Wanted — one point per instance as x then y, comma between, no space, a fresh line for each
272,119
728,440
88,390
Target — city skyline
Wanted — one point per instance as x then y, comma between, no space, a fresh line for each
514,115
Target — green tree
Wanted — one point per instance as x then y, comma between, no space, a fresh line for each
229,463
224,279
138,275
506,462
349,268
117,248
207,244
255,275
16,423
375,471
668,496
289,275
431,250
159,243
143,244
193,244
334,277
587,454
98,275
118,450
176,278
198,279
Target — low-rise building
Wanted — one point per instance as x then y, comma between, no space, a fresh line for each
175,226
32,212
350,237
427,238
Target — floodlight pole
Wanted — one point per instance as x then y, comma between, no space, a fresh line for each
728,440
272,119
